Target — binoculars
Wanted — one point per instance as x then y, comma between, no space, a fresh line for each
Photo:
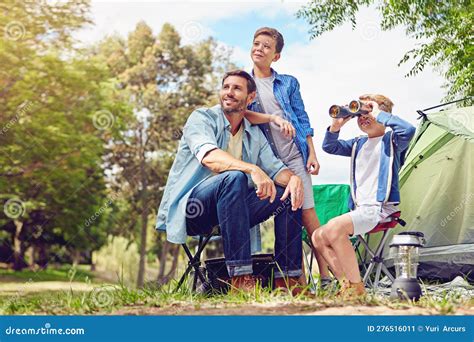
353,109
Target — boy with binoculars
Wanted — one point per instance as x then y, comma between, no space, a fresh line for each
375,161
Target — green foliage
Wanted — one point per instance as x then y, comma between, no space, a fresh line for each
443,28
51,149
88,136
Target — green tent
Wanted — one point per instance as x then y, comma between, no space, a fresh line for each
437,192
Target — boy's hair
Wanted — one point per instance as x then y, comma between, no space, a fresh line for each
272,33
384,102
251,86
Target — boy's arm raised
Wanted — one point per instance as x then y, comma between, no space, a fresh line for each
403,131
332,144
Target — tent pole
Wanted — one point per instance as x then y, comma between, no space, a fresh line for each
442,105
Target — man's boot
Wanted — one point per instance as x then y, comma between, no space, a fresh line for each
245,283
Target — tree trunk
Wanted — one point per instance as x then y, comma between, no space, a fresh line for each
76,257
174,265
163,260
30,257
144,215
18,252
42,259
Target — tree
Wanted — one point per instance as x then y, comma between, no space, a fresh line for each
444,29
51,178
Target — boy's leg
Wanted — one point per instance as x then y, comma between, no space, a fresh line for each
337,248
325,250
311,223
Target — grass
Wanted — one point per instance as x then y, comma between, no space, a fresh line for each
115,298
61,273
106,299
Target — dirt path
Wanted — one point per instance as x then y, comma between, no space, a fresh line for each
42,286
281,308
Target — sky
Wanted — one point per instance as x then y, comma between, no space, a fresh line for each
332,69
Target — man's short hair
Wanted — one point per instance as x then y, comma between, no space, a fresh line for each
272,33
251,86
384,102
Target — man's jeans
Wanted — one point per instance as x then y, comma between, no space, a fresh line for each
226,200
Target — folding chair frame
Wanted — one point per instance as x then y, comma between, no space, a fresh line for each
376,261
376,257
308,260
194,262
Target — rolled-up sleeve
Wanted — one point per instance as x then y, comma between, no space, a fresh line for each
267,160
200,133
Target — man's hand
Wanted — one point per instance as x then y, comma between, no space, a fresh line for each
312,165
337,124
295,189
285,126
265,186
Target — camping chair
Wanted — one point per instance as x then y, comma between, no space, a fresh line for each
376,255
194,261
212,277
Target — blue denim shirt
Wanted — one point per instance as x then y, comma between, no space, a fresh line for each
205,130
286,89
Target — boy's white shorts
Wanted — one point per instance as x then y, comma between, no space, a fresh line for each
366,217
297,166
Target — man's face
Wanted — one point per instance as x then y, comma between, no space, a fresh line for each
263,51
234,97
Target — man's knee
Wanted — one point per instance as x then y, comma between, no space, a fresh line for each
233,183
235,177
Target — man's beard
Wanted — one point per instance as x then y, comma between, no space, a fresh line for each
237,109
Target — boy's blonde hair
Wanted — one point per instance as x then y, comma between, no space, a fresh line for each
269,31
384,102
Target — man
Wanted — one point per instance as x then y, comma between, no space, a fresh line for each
226,174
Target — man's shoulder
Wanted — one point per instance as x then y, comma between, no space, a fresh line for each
204,117
207,113
211,111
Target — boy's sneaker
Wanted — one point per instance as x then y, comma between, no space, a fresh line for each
351,291
292,286
325,283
